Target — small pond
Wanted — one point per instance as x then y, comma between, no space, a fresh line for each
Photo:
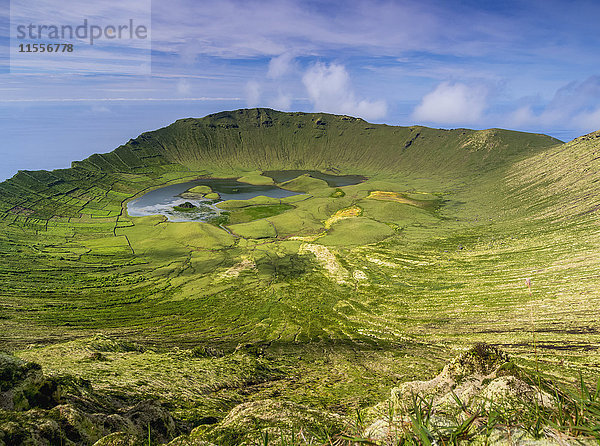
162,201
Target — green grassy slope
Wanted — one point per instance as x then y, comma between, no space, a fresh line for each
347,304
263,139
273,140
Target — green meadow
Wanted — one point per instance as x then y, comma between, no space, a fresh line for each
323,301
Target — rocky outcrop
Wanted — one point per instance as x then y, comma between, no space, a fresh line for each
478,382
39,410
258,421
23,385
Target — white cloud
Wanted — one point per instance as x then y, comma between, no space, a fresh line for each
252,94
588,121
573,106
280,65
251,28
283,101
453,103
330,90
522,116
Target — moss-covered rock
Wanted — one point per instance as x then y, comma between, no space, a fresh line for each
120,439
150,415
186,440
464,375
40,410
481,359
481,380
14,371
248,421
185,207
23,385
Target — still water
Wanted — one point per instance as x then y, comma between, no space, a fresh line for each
162,201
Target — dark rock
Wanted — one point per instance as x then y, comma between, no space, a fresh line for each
40,410
23,385
151,415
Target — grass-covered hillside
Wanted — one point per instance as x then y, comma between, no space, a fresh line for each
308,307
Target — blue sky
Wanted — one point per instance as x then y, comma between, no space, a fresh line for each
524,65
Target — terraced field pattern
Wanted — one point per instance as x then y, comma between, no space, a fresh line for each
326,298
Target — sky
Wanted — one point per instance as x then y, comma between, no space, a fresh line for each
523,65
